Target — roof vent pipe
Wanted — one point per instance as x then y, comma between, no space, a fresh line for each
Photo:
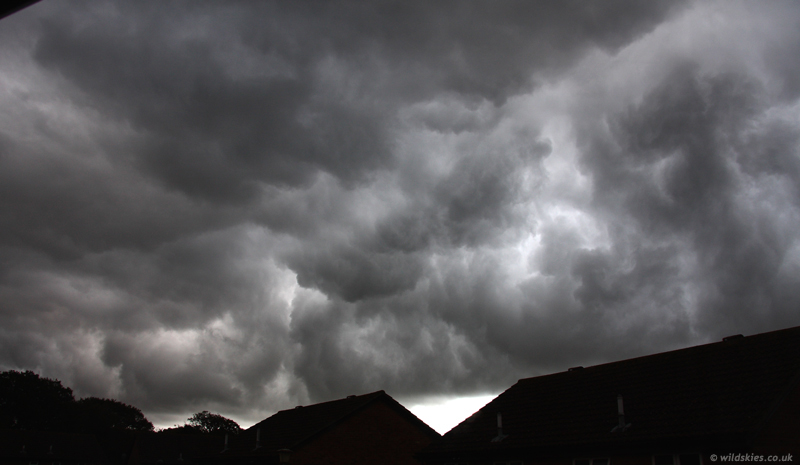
258,439
500,436
621,426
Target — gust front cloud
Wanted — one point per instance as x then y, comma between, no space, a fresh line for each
240,208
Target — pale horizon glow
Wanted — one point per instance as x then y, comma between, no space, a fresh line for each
447,413
442,413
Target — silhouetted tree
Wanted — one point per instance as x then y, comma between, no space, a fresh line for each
208,422
183,429
28,401
94,415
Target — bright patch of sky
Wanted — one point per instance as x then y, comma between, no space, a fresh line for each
445,413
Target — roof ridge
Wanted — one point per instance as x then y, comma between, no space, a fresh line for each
738,340
309,421
316,405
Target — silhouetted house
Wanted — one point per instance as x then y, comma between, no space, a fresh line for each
740,395
23,447
9,7
367,429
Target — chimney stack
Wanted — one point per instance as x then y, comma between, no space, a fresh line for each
258,439
621,425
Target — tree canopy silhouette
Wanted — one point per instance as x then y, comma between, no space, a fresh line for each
207,422
28,401
95,414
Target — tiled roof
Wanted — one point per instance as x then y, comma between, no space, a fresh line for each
289,429
710,393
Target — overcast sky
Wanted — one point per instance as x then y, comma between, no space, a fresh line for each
245,206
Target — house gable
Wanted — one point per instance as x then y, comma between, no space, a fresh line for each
377,433
358,429
700,400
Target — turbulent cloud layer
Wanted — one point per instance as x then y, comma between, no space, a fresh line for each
241,207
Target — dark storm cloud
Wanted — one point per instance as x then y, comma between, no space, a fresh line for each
353,274
209,132
243,207
694,164
479,195
474,204
213,133
476,48
418,351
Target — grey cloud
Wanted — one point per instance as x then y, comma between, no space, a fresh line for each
232,205
489,50
207,133
474,204
64,204
679,167
587,314
156,378
346,348
675,136
355,275
481,192
405,232
217,136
